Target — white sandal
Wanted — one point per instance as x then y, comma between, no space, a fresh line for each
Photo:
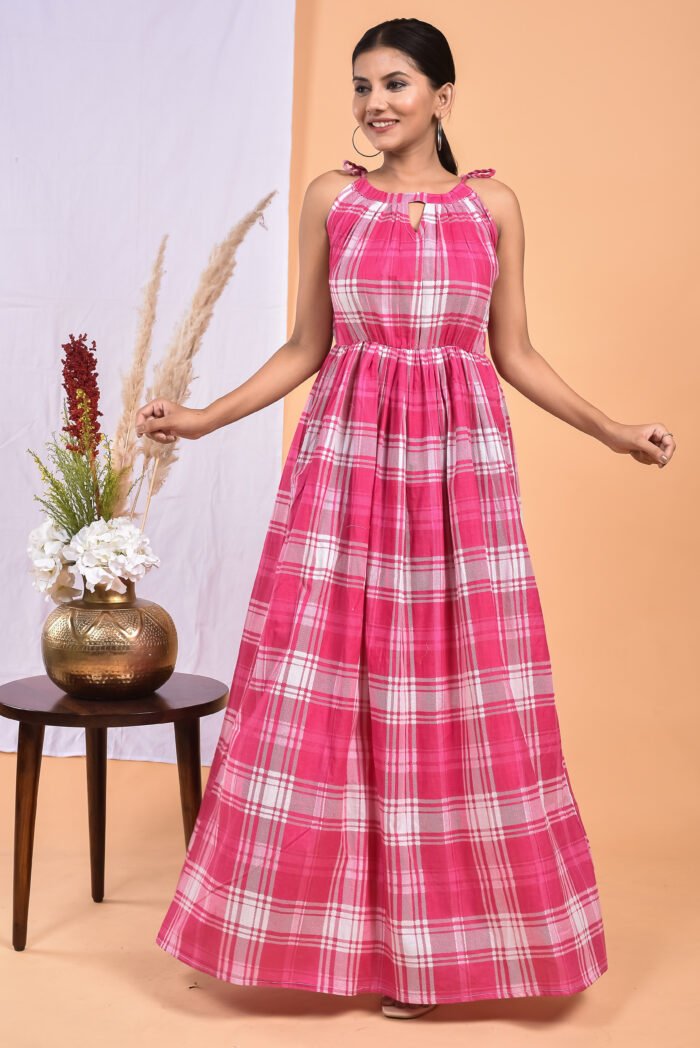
394,1009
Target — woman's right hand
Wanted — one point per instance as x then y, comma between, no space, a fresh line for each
164,421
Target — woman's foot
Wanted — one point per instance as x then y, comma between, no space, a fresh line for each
394,1009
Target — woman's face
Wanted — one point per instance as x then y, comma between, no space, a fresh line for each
387,86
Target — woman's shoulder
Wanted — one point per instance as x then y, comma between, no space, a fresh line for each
497,196
324,189
482,180
335,179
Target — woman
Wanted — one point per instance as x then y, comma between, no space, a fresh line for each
388,809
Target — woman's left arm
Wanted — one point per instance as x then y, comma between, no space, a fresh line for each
519,363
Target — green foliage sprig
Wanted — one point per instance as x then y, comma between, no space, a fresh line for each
80,488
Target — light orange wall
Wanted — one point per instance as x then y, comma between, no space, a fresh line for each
586,112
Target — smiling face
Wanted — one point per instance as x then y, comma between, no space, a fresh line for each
388,87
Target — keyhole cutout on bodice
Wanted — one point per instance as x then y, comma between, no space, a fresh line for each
416,216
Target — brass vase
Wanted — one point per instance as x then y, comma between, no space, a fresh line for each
107,645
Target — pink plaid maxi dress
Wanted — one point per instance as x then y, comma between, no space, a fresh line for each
388,809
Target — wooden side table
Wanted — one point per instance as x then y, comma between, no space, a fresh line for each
37,701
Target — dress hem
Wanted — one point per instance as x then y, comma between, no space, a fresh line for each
385,989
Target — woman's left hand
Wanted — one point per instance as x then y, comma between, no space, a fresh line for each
650,444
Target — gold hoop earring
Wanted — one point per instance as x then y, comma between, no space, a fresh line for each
359,150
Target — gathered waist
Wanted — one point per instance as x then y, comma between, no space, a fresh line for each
413,354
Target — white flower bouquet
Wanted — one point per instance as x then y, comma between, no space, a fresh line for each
105,553
81,538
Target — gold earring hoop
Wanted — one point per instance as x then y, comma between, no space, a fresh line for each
359,150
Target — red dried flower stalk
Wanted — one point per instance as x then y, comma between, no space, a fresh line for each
80,372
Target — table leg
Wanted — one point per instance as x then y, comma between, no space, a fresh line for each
96,764
189,768
29,747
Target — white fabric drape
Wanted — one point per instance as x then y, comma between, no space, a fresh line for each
119,123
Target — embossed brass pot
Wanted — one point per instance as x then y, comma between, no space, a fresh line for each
107,645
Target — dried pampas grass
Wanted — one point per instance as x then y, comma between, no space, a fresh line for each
125,441
173,375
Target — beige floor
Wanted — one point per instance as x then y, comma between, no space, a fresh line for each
91,973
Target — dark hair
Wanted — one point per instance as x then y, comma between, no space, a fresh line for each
428,49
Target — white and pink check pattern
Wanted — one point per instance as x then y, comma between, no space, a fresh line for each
388,809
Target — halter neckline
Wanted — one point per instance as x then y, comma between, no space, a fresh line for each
363,186
367,189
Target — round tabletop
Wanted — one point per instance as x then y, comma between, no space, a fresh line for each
38,700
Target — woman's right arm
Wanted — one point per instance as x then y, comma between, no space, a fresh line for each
302,355
299,358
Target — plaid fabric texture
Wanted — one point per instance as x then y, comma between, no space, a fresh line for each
388,809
